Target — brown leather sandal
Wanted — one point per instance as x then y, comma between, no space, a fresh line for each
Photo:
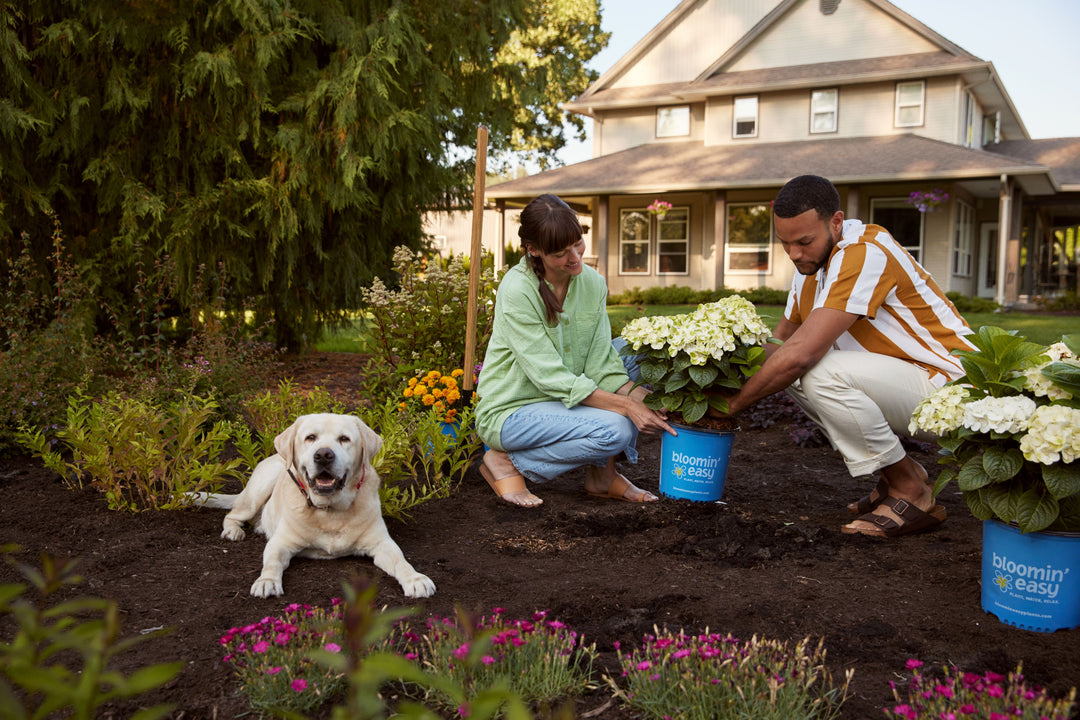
868,502
913,520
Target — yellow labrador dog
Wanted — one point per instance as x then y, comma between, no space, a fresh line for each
318,497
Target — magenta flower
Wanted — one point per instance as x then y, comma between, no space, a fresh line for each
332,647
261,646
487,660
913,663
273,670
299,684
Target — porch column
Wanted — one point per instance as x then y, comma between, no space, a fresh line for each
719,223
499,256
1005,234
600,233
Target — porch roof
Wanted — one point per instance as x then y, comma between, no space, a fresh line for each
693,166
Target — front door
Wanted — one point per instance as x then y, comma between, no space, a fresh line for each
988,260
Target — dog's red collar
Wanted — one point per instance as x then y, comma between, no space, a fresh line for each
304,492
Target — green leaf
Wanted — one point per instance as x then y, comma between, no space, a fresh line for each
677,381
719,403
973,475
703,375
652,372
148,678
944,477
693,410
1073,343
979,504
1001,463
1002,502
1065,375
1036,511
1062,479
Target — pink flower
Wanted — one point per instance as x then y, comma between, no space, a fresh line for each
905,711
913,663
462,651
678,654
261,646
273,670
487,660
332,647
299,684
644,665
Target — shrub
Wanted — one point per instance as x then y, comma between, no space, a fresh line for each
970,303
958,695
710,676
1065,302
59,661
422,324
140,455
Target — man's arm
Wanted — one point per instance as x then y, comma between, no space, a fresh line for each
804,345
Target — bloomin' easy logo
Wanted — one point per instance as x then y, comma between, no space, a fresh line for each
691,466
1004,582
1039,580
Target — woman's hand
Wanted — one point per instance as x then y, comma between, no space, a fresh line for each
648,421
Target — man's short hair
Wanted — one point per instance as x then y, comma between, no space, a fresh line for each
807,192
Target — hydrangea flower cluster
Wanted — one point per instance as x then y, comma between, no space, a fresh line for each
959,695
705,676
1039,385
1053,435
941,412
713,331
999,414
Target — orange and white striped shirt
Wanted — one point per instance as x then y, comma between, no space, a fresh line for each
902,311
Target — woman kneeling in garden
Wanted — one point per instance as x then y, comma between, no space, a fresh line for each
554,394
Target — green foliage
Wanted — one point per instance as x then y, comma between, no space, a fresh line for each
538,659
422,324
60,660
272,412
288,146
683,295
708,676
996,365
139,454
1065,302
971,303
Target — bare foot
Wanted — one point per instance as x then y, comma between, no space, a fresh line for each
609,483
506,481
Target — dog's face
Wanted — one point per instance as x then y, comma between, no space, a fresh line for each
328,453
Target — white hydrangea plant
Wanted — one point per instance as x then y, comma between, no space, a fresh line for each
1009,430
690,360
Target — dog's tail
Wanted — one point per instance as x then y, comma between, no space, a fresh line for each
219,501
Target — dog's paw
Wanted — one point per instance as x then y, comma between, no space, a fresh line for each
267,587
418,586
233,531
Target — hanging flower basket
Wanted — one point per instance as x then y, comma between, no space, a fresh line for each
659,208
926,200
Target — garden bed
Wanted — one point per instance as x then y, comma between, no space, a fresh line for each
769,560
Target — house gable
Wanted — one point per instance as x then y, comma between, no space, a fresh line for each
804,35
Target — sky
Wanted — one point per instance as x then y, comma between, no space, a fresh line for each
1034,45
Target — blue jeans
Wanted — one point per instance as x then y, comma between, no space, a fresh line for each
546,439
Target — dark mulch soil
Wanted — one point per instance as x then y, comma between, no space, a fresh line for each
768,560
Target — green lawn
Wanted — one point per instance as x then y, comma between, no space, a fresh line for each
1043,329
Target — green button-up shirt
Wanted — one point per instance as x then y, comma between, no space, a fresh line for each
529,361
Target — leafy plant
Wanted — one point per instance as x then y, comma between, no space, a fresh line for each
272,411
708,676
60,660
538,659
140,455
954,694
689,360
1009,430
422,324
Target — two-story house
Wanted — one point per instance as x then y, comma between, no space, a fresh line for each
725,100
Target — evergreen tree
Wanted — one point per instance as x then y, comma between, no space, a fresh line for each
284,147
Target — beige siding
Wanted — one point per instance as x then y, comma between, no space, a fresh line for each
863,110
703,35
622,129
805,36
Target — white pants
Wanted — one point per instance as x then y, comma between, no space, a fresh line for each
862,401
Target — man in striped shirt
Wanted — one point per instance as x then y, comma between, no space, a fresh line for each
867,334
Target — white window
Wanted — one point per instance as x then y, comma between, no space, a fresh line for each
673,242
901,220
749,239
635,241
964,242
823,110
745,117
673,121
910,98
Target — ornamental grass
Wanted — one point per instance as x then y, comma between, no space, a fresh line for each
710,676
956,695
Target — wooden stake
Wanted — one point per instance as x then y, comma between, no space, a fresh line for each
475,255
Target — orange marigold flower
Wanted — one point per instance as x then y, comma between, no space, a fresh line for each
429,400
407,392
420,390
458,373
412,382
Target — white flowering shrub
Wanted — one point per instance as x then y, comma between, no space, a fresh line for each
422,323
691,360
1009,430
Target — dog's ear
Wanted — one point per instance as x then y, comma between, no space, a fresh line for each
283,443
372,440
